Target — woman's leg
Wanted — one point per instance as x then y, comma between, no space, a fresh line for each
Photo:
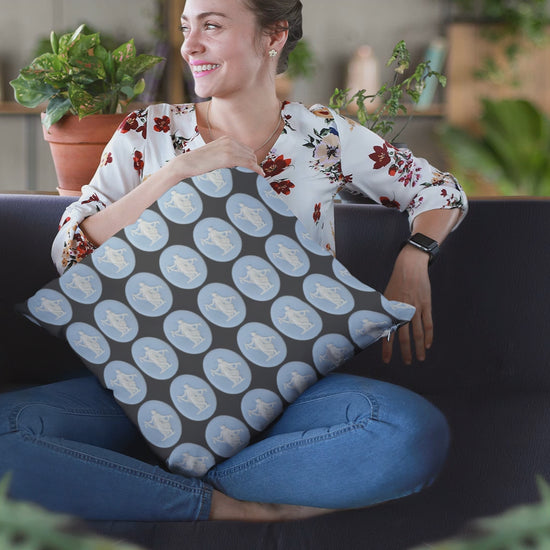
347,442
70,448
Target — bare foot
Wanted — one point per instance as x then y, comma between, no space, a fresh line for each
227,508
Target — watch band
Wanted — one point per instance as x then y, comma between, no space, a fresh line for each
424,243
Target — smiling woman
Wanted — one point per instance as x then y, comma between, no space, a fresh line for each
346,441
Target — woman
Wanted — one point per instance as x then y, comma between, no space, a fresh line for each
347,441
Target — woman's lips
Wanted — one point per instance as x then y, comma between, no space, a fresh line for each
201,69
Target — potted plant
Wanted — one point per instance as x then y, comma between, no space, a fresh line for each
390,96
86,89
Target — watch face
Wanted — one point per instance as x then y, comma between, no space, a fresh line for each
423,241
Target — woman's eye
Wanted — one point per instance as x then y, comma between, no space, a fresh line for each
210,26
184,29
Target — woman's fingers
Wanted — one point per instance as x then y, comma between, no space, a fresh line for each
231,153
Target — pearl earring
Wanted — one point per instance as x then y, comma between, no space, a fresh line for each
272,53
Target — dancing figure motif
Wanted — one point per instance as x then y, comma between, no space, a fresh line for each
257,277
127,382
51,306
195,397
288,255
89,342
263,344
150,294
251,215
298,318
191,331
219,239
160,423
79,282
228,370
148,230
181,202
114,257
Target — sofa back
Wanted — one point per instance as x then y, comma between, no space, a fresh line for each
28,225
490,286
491,297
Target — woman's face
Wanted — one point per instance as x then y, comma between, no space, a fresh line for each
223,47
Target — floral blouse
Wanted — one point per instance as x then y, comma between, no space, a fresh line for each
318,153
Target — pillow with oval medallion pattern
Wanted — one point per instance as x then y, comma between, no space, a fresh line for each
210,314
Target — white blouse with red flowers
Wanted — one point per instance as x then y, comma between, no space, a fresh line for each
318,154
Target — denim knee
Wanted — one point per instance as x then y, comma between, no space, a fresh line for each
348,442
406,435
424,436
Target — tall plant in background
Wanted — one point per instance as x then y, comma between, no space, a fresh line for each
392,94
511,153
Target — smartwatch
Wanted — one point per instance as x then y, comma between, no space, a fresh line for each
425,244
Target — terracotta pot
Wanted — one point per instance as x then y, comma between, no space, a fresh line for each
76,147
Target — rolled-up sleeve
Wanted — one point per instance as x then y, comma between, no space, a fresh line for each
120,171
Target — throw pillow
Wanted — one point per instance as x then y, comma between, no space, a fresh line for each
210,314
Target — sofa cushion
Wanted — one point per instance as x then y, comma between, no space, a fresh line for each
210,313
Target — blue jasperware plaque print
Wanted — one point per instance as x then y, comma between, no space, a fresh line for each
210,314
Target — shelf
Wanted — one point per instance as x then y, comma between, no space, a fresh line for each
13,108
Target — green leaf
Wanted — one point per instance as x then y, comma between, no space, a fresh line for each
470,152
125,52
139,88
136,66
513,149
31,93
57,108
54,41
128,91
519,136
107,61
87,104
67,41
88,69
77,33
47,68
81,69
83,46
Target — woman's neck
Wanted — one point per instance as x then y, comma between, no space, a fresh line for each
248,121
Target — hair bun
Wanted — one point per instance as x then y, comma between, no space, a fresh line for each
270,14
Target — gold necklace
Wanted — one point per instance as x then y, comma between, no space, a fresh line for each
255,150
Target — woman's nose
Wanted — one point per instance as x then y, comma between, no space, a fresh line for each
191,44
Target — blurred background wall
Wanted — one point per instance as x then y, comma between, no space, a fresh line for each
332,30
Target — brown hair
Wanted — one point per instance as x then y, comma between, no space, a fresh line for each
279,15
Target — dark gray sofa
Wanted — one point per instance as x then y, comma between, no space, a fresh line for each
489,370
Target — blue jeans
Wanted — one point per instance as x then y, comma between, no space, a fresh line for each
347,442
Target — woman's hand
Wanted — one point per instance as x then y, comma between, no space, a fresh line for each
410,283
224,152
